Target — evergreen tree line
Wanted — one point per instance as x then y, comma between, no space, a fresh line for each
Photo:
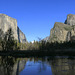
57,46
8,43
42,45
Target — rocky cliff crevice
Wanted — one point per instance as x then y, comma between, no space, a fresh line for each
21,36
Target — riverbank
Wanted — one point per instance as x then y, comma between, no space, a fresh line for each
37,53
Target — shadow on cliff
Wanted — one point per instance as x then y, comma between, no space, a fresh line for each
7,42
7,65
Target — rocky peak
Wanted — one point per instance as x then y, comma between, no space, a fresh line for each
70,19
63,32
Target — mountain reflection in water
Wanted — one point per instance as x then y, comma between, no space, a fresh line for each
9,65
37,66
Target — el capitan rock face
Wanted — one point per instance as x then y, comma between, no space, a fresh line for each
7,22
63,32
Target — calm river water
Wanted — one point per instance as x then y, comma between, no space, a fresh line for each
37,66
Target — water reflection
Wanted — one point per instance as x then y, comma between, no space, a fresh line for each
49,66
37,66
6,65
10,65
63,66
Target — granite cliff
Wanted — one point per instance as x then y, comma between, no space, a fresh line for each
7,22
63,31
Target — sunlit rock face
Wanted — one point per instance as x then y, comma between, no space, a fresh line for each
70,19
59,32
63,32
7,22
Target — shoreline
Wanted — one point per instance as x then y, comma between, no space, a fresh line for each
35,53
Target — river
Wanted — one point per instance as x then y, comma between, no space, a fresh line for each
37,65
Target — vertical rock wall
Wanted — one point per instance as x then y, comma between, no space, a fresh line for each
70,19
7,22
21,36
63,32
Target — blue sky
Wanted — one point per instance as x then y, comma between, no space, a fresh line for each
36,17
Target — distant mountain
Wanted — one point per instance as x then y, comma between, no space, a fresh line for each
46,39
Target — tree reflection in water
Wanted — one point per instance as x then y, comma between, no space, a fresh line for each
42,66
37,66
59,65
11,66
63,66
6,65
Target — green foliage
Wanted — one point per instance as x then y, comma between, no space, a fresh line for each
33,46
7,42
21,46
